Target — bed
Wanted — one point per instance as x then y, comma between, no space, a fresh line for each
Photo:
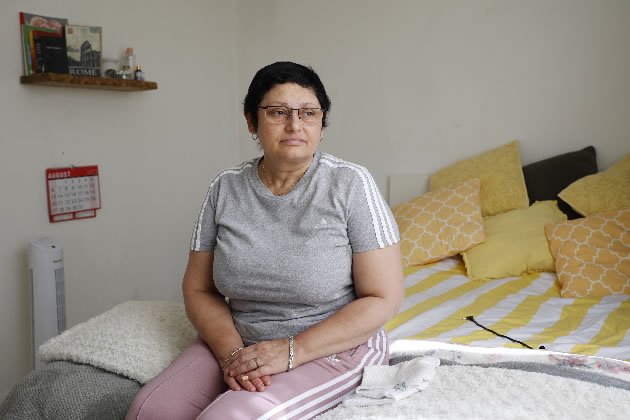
529,309
545,268
508,321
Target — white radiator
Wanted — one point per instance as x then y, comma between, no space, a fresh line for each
48,300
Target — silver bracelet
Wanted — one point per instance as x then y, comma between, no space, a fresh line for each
290,353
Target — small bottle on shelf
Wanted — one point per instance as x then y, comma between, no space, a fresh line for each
139,75
128,64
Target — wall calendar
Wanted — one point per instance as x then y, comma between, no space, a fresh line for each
73,193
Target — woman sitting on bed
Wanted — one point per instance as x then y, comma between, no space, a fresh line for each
305,248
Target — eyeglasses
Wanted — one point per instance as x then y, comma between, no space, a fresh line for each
282,114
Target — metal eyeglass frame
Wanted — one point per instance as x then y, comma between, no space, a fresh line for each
290,115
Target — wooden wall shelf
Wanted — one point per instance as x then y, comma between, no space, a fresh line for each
66,80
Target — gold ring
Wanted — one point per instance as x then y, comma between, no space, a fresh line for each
244,377
256,361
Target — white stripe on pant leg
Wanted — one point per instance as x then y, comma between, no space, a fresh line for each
384,350
319,388
377,355
334,402
385,346
310,404
338,400
328,395
326,407
383,335
315,390
341,390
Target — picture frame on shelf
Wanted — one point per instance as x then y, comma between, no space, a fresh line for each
84,46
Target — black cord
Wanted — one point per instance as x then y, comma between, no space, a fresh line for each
472,319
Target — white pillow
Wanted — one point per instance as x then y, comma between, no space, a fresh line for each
136,339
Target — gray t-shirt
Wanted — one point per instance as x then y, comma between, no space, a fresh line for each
285,262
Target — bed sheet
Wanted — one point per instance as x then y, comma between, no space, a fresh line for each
439,296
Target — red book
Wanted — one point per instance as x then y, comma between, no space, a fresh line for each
30,22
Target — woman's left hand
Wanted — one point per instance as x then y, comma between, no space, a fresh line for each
259,361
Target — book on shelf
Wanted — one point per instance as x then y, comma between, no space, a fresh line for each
29,47
84,46
50,53
34,22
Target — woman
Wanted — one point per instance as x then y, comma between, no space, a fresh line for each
305,249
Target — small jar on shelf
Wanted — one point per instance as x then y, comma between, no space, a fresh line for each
139,74
128,65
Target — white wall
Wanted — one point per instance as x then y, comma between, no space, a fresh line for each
156,151
415,86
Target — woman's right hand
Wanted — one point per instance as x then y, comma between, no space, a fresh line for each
252,367
254,385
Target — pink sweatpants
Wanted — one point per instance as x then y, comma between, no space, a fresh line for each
192,387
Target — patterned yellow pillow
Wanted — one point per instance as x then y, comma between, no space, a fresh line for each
501,175
607,190
592,254
440,224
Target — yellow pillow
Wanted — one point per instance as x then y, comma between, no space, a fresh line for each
501,174
516,243
440,224
607,190
592,254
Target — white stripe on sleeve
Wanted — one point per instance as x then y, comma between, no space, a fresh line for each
374,201
196,239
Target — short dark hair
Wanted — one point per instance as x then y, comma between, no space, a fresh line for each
280,73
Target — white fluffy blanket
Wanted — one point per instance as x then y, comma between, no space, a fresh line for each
472,392
505,383
136,339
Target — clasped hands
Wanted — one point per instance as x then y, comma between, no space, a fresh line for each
251,368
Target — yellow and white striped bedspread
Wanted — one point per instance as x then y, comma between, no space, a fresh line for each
438,296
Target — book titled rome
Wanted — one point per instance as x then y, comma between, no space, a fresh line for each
84,45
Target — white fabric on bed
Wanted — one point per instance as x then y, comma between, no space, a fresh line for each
384,384
472,392
136,339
